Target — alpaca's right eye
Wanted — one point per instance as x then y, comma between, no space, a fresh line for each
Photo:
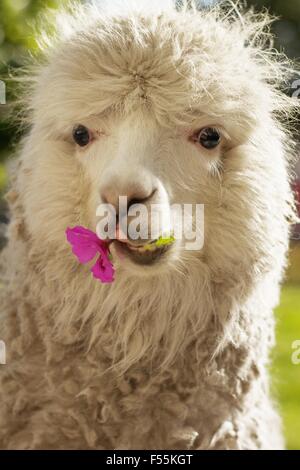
82,135
208,137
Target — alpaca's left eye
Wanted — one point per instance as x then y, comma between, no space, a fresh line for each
82,135
208,137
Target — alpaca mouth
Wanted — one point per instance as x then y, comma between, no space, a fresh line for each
139,254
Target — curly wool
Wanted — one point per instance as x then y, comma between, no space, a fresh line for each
179,359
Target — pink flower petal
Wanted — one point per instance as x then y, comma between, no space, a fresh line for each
85,249
85,245
83,233
103,270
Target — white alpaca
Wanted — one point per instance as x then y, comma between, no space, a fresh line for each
174,353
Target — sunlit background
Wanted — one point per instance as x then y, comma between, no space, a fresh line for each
17,42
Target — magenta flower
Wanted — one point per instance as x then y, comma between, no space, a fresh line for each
85,246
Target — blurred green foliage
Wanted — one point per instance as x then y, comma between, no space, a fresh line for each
17,41
17,27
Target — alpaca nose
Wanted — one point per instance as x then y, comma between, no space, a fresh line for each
136,192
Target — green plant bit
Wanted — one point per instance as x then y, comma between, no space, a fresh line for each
161,241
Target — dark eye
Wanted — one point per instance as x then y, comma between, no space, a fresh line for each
209,137
81,135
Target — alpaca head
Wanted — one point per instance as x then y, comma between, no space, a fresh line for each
167,107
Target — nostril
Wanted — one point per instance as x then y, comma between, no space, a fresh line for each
133,201
104,199
134,194
139,200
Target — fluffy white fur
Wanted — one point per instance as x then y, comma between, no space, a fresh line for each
174,356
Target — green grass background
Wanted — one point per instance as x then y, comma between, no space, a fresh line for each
285,374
